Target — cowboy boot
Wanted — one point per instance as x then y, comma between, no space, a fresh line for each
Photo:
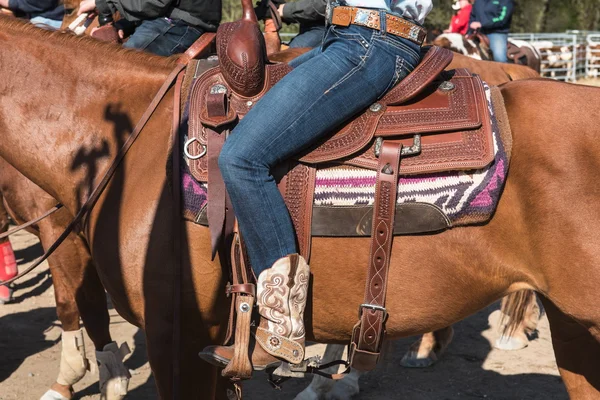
281,293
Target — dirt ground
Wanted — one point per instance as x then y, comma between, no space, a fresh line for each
30,354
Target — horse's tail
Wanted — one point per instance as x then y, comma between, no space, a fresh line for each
519,309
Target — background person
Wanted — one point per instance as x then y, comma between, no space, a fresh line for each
162,27
40,12
460,20
493,18
310,14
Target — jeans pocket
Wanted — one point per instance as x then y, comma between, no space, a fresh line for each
344,33
406,49
401,71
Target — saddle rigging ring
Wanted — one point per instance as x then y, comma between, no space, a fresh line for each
187,145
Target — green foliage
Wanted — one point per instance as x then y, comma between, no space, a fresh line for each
529,16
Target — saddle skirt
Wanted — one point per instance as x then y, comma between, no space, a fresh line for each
453,178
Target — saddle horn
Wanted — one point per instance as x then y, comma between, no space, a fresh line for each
242,53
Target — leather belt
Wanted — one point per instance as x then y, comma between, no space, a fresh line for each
371,18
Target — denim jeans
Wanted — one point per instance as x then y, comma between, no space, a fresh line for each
163,36
310,35
43,22
354,68
498,45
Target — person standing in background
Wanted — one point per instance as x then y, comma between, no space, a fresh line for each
310,14
43,13
162,27
493,18
460,21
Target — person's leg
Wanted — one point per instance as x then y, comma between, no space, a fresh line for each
147,32
349,74
163,37
498,45
355,67
177,39
309,36
45,23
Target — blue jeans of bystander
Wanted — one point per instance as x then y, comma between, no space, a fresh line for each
163,36
498,45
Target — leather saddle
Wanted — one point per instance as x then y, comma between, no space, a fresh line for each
440,117
432,120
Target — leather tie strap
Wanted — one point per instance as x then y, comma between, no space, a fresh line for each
368,333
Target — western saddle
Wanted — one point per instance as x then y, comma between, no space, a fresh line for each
433,120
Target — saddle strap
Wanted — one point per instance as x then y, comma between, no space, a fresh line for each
368,333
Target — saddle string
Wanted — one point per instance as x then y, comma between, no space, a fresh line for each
196,50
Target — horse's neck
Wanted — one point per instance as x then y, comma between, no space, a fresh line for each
65,112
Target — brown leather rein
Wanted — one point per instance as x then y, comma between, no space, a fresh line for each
196,50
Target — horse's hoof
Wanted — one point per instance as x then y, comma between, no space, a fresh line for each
53,395
408,361
510,343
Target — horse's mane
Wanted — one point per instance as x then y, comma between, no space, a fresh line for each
96,49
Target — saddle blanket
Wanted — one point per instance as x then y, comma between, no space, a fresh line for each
465,197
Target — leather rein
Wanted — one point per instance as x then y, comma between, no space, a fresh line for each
196,50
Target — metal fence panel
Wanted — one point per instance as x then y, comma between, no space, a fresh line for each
592,58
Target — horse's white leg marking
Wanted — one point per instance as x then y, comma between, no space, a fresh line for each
114,376
73,363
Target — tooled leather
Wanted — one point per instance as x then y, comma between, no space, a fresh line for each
432,64
372,321
285,348
350,139
238,107
299,195
463,114
248,78
466,149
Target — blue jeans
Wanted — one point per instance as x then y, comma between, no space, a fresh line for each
498,45
163,36
309,36
43,22
354,68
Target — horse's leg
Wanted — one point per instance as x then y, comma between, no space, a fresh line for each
577,354
73,363
427,350
520,314
78,292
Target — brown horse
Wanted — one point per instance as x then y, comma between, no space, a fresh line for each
77,288
538,238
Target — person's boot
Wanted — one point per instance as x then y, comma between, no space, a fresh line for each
8,270
281,293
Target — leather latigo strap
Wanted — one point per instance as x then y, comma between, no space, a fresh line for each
368,333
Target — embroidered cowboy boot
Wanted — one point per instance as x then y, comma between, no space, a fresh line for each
281,293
